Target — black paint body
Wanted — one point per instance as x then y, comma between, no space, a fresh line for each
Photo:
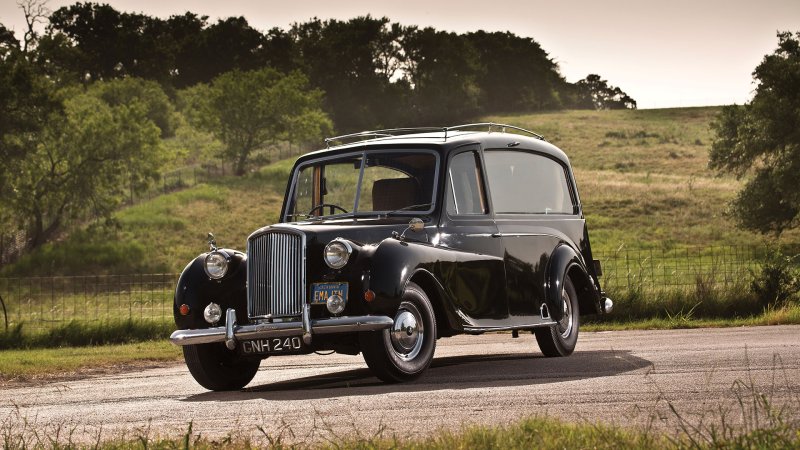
481,273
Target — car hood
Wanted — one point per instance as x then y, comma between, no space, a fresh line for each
363,231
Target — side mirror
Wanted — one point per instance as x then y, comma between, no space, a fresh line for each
416,225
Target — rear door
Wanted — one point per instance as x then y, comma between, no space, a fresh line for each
534,212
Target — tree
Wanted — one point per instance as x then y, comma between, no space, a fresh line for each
355,63
442,69
80,162
762,138
516,74
248,110
35,12
596,93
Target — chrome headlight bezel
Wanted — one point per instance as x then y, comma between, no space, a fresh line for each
216,264
337,253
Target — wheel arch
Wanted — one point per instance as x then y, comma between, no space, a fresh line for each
566,262
445,323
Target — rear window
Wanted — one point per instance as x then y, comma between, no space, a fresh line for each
527,183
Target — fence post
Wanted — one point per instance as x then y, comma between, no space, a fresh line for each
628,269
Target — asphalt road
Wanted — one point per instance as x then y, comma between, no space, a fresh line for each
629,378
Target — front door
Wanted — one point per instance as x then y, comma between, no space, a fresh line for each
476,276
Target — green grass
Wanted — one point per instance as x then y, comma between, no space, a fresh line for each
642,174
87,333
530,433
686,318
27,364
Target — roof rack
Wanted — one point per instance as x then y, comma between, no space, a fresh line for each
492,125
394,132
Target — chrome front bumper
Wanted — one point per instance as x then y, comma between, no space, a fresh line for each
231,333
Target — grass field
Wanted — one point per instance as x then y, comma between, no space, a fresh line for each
49,363
642,174
767,428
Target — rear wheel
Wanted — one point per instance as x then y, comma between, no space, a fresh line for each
561,338
216,368
404,351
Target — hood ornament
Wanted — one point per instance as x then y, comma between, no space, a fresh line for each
212,242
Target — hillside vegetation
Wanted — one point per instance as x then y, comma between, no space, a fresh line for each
642,176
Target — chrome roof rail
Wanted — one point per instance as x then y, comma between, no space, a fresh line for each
395,132
501,126
375,134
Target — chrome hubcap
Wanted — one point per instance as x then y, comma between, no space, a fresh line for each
407,332
565,324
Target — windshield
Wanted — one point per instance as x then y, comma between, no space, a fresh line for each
365,183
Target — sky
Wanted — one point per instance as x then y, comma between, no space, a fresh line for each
662,53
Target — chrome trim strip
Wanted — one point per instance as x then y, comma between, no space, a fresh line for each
508,328
282,329
230,325
307,324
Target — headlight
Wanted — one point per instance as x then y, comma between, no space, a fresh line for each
212,313
216,264
335,304
337,252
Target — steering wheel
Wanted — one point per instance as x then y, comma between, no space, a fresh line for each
330,205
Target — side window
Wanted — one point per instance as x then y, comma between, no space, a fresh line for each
465,194
527,183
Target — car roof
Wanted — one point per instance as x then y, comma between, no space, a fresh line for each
494,136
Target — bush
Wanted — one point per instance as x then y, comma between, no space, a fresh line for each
778,281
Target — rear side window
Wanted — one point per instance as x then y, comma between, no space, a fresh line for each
527,183
464,187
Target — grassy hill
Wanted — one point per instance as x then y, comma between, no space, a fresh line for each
642,176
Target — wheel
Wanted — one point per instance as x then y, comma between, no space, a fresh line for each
560,339
323,205
404,351
218,369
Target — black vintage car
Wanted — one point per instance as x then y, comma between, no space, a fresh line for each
389,240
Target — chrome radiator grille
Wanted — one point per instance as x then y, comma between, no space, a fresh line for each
275,275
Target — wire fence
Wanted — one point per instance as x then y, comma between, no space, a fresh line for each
660,270
44,302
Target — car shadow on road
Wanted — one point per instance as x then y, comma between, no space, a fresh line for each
456,372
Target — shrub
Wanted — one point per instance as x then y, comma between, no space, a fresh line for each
778,281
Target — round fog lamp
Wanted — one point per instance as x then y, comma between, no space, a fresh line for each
212,313
337,253
335,304
216,264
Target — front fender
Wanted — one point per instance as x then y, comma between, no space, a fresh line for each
196,290
563,262
395,263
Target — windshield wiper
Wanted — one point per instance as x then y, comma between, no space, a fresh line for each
407,208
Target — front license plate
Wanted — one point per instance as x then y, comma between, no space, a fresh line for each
273,346
321,291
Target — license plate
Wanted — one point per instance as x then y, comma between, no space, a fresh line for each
321,291
273,346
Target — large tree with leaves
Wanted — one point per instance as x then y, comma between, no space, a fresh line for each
250,110
80,162
761,140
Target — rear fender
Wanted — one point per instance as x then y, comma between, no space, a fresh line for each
565,262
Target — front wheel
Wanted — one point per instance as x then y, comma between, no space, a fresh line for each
218,369
561,338
404,351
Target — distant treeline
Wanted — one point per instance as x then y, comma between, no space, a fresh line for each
96,107
374,73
